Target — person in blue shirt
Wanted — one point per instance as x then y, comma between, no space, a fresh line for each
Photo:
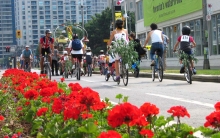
27,56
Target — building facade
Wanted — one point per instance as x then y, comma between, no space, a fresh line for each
35,16
7,26
171,21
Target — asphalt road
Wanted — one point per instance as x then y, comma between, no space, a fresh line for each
199,98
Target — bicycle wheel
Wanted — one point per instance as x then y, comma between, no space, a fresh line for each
114,75
66,72
153,72
136,72
89,70
160,70
106,77
125,75
188,74
78,73
48,71
103,70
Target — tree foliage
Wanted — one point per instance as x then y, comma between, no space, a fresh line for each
98,29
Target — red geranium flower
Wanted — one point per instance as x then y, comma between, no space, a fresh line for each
178,111
147,132
27,103
31,94
46,92
140,122
213,120
99,106
191,132
46,99
217,106
89,97
109,134
42,111
62,79
1,118
86,116
75,87
123,113
149,109
6,136
19,108
57,106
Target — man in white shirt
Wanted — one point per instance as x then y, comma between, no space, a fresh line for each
76,48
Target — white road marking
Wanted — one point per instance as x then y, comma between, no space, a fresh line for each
87,80
182,100
115,86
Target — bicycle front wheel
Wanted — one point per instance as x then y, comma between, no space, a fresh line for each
48,71
160,70
153,72
78,74
125,75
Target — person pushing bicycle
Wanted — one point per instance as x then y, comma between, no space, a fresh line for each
185,45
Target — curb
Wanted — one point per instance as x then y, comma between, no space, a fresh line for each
172,76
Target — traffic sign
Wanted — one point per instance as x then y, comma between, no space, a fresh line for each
208,17
18,33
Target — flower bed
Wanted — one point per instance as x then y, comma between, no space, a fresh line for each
33,106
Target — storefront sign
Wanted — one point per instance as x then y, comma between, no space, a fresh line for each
156,11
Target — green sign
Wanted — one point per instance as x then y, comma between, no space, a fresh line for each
156,11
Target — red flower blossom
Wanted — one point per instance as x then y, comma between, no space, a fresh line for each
217,106
86,116
57,106
191,132
1,118
109,134
71,113
19,108
31,94
6,136
213,120
140,122
178,111
149,109
46,92
62,79
99,106
89,97
27,103
42,111
147,132
60,91
123,113
75,87
46,99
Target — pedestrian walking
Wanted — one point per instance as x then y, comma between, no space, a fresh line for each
55,57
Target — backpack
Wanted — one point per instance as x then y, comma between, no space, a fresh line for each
50,40
76,44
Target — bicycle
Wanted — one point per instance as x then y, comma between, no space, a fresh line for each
157,67
26,65
77,69
123,70
135,69
112,73
67,66
46,66
187,66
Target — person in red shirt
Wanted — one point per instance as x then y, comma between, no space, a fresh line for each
46,46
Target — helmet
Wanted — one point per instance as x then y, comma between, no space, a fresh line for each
63,32
186,30
48,32
75,36
65,52
88,49
101,51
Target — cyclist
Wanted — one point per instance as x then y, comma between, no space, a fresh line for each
27,56
101,60
46,45
63,61
76,48
89,58
185,40
156,37
55,61
118,34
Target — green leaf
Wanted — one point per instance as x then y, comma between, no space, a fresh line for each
171,118
89,128
39,135
125,99
217,135
205,131
106,99
119,96
125,135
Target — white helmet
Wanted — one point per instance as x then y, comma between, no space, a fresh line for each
63,32
65,52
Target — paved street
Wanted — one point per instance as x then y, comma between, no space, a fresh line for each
199,98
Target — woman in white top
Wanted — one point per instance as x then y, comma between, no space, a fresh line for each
118,34
156,37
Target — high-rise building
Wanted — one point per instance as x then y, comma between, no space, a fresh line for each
35,16
7,26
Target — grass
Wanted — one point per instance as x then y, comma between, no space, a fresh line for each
199,72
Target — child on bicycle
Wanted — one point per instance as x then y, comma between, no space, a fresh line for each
64,59
101,60
185,40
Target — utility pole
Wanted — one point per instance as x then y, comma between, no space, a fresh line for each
113,14
82,12
206,36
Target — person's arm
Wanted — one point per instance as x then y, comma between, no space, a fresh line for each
69,48
111,38
193,42
40,46
162,37
147,39
175,46
52,46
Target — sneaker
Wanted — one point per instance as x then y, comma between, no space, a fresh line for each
182,70
117,78
194,71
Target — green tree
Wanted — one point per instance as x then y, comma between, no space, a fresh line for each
98,29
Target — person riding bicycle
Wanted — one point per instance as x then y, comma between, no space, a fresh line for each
185,40
101,60
156,37
27,56
76,48
46,46
88,58
63,60
118,34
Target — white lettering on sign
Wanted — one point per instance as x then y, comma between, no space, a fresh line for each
185,38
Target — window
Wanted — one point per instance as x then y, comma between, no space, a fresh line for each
41,22
41,17
47,7
41,12
54,12
67,12
41,3
131,5
47,2
47,16
60,12
140,9
54,7
60,2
